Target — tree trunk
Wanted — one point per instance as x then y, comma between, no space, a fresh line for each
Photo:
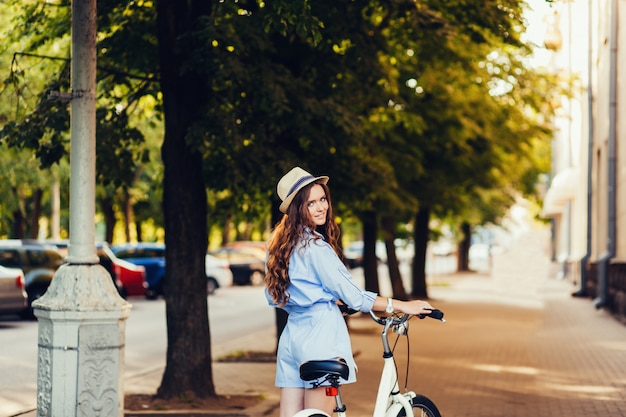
226,230
35,214
17,231
463,249
421,235
389,226
128,214
18,225
188,366
138,231
370,261
106,206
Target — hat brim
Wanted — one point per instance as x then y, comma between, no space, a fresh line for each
287,201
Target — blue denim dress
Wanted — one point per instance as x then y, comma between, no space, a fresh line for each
316,328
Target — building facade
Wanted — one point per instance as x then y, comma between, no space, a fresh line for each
585,202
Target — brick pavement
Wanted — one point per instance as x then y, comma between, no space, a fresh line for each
515,343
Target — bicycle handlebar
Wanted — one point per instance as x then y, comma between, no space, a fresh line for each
396,320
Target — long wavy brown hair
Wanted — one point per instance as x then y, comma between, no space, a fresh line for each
294,227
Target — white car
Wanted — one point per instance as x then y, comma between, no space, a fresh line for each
13,298
218,273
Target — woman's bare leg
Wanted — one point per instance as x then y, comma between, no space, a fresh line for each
291,401
317,398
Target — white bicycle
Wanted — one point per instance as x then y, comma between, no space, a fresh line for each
390,402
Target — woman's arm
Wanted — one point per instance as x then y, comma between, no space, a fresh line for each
391,305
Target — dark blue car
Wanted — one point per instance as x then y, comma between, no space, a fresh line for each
152,257
149,255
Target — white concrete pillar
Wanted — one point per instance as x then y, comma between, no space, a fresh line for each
81,316
80,365
55,203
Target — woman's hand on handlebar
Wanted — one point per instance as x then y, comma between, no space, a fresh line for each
414,307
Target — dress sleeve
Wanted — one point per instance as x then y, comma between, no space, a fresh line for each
335,277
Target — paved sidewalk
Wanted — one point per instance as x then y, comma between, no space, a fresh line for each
515,343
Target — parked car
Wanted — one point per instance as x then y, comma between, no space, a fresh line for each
246,263
152,257
13,298
129,279
353,253
218,273
38,261
252,247
149,255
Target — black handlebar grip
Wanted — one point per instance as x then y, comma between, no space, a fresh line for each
434,314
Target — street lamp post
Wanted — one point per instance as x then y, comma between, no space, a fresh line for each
80,364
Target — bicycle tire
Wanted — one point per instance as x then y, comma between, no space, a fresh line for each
426,407
311,412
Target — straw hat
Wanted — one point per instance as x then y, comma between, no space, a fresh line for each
292,182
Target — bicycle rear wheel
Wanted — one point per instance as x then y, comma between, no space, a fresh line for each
422,407
311,412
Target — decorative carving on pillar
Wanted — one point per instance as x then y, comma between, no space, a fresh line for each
99,371
44,370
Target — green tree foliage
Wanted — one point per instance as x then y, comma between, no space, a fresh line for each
25,191
128,91
464,115
25,187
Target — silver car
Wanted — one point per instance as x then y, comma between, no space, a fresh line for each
13,298
218,273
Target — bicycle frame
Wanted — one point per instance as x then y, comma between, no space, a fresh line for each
389,400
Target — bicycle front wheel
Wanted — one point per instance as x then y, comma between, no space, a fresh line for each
422,407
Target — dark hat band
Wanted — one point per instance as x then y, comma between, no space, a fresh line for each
295,186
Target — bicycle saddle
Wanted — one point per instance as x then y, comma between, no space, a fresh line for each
312,370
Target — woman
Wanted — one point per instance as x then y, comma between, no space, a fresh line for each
307,278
